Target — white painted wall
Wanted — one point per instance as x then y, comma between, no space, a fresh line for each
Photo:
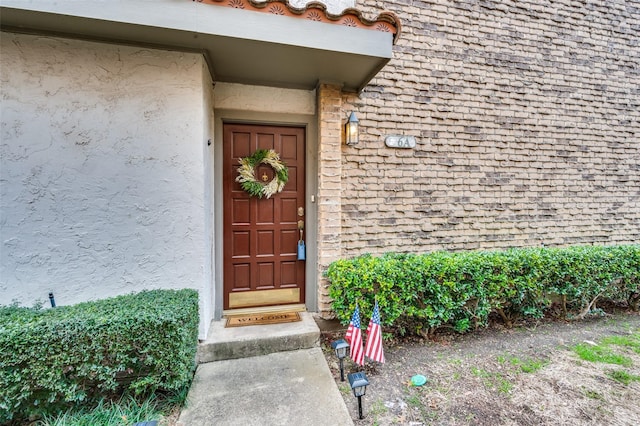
102,178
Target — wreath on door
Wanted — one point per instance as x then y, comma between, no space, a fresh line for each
247,178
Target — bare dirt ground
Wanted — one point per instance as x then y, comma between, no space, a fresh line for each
528,375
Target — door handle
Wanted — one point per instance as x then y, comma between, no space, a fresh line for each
302,255
301,228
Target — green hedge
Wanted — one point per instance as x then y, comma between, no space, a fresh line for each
419,293
51,359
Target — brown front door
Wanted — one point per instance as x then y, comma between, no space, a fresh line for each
261,235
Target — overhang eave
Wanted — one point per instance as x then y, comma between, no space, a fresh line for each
240,46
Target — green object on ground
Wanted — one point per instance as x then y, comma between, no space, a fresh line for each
418,380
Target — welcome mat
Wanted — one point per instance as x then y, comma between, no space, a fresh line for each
262,319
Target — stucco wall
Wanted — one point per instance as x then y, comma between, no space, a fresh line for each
102,178
527,118
208,291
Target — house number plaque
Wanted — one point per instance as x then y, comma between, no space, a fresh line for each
398,141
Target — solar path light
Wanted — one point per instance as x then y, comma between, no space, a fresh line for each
358,383
340,346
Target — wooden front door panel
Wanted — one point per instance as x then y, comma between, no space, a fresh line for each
261,235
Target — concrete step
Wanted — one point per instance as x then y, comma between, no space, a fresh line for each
280,389
256,340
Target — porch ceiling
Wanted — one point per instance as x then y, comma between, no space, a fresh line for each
240,46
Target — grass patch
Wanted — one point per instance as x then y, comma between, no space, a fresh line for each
623,376
414,401
600,353
528,365
632,342
344,389
418,407
503,385
479,372
493,380
593,395
126,411
532,366
378,408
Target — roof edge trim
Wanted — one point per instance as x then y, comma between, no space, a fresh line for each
315,11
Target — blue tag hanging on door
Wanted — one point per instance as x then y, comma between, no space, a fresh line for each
302,250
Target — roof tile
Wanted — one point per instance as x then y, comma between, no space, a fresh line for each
315,11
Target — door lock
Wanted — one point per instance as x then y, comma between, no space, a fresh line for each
300,211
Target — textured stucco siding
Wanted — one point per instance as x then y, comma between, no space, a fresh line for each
527,117
208,291
102,179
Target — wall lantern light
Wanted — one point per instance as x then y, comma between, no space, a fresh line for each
340,346
351,130
358,383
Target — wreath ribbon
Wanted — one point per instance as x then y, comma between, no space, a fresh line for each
247,178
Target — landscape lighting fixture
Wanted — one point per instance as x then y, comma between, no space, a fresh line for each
340,346
351,130
358,383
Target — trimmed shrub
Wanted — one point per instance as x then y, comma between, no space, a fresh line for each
51,359
419,293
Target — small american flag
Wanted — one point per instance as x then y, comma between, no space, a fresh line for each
374,350
354,337
349,333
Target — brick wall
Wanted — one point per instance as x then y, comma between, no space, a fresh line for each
329,187
527,116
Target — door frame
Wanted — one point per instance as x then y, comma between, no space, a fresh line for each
309,123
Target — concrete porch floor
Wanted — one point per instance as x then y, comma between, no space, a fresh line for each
264,375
